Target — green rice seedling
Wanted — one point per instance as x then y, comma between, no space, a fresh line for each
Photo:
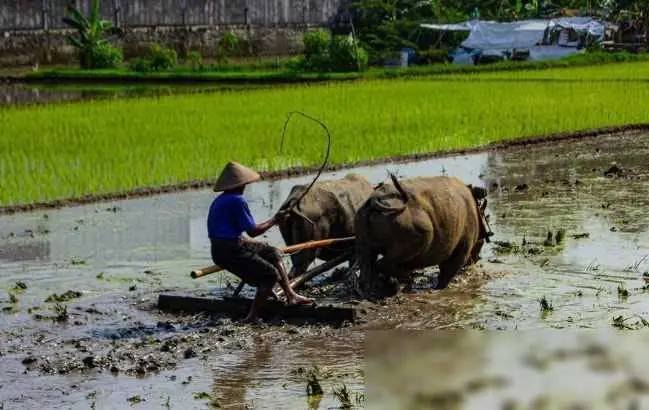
99,147
19,287
546,305
632,71
271,70
133,400
583,235
549,240
343,396
635,266
61,312
622,292
63,297
313,387
622,323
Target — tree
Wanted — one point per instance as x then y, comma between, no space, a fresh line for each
387,25
635,12
384,26
94,50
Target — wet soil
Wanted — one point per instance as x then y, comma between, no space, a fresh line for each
508,370
111,344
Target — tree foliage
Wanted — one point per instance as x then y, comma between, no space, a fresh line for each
323,53
94,50
384,26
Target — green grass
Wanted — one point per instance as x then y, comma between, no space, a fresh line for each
633,71
68,150
261,73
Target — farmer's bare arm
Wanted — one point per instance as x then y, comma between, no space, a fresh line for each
261,228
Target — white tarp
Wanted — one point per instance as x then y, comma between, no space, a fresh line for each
581,25
494,38
449,27
519,34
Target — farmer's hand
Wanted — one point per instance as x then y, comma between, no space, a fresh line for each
281,216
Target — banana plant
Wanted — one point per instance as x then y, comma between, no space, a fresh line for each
91,31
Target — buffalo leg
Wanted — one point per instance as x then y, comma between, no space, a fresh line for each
393,275
391,269
301,263
475,253
367,265
449,268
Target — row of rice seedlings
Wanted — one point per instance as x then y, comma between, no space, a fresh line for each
635,71
73,149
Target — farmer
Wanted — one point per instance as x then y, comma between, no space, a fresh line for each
256,263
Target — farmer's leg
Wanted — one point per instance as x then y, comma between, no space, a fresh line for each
257,272
273,257
245,263
260,297
291,296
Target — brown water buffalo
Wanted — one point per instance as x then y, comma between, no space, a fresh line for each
417,223
327,211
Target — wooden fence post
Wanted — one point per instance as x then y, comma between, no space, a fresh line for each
117,10
183,8
45,14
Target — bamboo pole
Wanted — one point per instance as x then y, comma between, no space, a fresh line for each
199,273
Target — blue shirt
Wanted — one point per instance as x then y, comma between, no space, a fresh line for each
229,217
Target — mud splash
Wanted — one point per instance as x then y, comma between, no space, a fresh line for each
114,345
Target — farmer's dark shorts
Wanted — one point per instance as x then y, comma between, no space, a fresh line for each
253,262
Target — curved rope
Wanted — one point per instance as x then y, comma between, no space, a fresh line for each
326,157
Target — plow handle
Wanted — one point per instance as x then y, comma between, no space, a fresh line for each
199,273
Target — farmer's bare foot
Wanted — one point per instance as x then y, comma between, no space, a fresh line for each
299,300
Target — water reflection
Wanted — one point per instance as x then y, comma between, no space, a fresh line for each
231,382
28,94
169,227
568,190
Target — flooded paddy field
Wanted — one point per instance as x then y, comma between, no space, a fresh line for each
536,369
16,94
108,344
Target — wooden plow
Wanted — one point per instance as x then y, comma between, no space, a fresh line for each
237,306
301,280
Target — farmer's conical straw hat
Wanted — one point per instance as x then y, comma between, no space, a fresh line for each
235,175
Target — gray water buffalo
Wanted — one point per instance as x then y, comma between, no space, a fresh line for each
417,223
327,211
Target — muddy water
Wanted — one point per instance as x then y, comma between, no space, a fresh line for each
600,369
121,255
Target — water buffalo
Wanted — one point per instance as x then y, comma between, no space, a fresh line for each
417,223
327,211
